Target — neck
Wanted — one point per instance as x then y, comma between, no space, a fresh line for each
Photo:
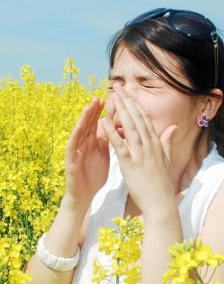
186,164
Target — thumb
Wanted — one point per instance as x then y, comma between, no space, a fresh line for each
101,133
166,140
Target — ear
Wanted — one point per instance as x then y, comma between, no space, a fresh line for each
209,105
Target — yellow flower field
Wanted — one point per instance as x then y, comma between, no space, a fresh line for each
36,119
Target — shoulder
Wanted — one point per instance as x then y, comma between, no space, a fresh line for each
211,174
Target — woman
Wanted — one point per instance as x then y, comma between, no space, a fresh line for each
165,125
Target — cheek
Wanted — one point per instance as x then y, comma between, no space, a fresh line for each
156,110
167,112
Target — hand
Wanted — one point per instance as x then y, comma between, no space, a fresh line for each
87,155
144,158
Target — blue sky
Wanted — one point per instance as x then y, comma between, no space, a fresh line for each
43,33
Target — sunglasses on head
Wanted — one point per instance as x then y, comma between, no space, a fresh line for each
188,23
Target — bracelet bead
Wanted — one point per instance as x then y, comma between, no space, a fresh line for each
54,262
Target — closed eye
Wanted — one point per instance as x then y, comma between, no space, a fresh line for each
148,86
110,87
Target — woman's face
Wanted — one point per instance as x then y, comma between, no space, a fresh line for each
166,104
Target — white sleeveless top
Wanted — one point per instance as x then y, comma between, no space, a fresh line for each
110,202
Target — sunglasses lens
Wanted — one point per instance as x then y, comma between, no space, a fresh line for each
148,15
192,24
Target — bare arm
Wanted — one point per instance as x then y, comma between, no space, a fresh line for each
62,240
158,236
160,232
213,231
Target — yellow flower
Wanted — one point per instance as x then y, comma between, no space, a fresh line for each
119,221
70,69
107,240
215,260
99,272
124,246
18,277
27,74
92,80
202,253
133,275
189,257
36,121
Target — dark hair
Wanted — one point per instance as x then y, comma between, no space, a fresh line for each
195,55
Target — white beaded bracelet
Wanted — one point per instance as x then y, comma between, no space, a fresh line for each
54,262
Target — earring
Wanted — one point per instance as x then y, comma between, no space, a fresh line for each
203,122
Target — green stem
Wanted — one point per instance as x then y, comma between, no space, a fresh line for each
71,78
117,276
199,277
211,276
206,271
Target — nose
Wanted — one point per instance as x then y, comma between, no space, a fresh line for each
131,90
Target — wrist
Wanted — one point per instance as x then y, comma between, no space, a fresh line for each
69,203
167,226
55,262
161,214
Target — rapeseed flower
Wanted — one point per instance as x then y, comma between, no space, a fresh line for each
123,244
188,258
36,119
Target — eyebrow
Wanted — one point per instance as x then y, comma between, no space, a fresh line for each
115,77
138,78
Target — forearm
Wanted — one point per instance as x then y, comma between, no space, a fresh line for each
61,240
159,234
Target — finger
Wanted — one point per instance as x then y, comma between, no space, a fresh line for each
101,133
141,119
75,134
88,128
166,140
131,132
117,142
102,138
92,137
96,117
81,129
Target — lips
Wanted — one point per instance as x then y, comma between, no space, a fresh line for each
117,124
